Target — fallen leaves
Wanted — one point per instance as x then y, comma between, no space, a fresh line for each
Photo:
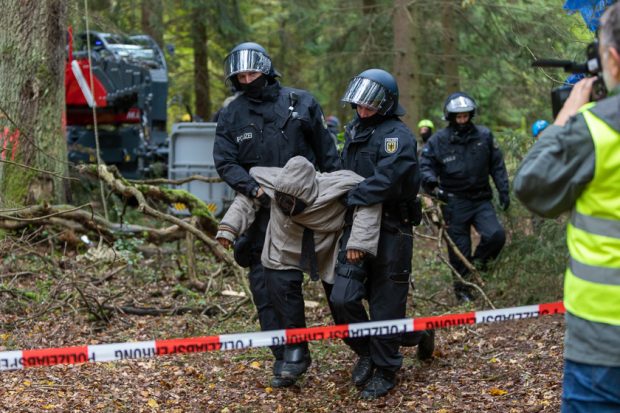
494,391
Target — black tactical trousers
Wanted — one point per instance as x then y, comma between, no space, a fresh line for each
460,215
286,295
385,287
267,316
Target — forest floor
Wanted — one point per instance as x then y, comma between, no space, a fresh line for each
512,366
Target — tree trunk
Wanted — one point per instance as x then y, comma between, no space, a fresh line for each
32,99
450,43
201,68
153,20
407,59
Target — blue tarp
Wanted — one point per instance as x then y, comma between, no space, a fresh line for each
591,10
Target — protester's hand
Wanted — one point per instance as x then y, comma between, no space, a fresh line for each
579,96
355,256
224,242
504,201
263,198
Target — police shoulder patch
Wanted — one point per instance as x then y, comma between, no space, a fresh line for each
391,145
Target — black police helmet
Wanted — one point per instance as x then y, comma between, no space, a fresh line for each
459,102
248,57
377,89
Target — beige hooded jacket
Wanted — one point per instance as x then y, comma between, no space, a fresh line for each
324,215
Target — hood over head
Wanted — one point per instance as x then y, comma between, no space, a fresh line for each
298,179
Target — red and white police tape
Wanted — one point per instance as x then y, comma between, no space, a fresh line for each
19,359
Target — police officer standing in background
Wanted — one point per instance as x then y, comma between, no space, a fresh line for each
456,163
266,125
425,130
379,147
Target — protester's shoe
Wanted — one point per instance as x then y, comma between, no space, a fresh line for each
379,385
277,381
426,346
362,371
296,362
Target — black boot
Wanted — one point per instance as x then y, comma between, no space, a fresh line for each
362,371
379,385
411,339
277,380
426,346
296,361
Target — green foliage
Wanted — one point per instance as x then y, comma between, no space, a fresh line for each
320,45
127,248
194,299
531,269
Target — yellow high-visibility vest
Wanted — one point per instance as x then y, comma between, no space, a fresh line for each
592,282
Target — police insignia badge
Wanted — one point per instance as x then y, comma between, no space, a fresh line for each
391,145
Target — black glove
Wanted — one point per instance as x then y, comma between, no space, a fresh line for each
440,194
504,201
429,186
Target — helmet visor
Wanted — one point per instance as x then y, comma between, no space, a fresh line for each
460,104
246,61
368,93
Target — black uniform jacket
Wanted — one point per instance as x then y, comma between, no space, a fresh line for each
285,123
461,163
384,154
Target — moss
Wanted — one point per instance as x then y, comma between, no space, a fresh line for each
195,204
15,185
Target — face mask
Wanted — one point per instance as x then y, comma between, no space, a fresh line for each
426,136
289,205
254,88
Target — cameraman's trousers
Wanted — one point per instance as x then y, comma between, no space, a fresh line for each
385,287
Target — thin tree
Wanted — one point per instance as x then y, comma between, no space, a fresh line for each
201,67
406,59
450,46
153,20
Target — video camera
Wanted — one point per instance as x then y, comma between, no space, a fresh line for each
591,67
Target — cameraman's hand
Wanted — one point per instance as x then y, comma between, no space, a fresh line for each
579,96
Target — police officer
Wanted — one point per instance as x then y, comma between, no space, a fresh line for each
266,125
379,147
539,126
456,164
426,129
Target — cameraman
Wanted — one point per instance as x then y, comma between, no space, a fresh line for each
575,166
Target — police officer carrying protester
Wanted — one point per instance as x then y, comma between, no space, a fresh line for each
379,147
575,166
456,163
266,125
